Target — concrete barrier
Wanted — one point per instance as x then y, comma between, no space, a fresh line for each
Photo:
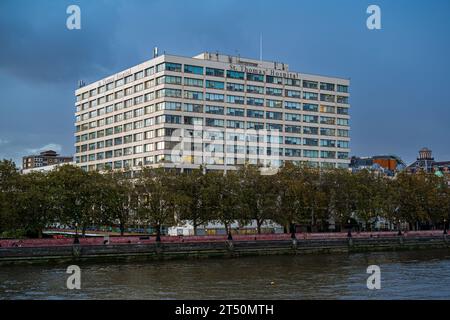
149,249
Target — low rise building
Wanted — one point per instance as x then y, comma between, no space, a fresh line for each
425,162
385,164
45,158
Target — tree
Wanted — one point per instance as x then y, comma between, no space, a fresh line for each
368,193
35,203
257,196
192,190
338,185
157,201
10,220
76,195
222,197
290,197
120,199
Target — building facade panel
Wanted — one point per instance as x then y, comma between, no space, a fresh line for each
210,109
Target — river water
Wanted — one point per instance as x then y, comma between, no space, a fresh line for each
404,275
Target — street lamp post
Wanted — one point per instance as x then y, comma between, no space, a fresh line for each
349,233
76,240
293,231
445,226
399,227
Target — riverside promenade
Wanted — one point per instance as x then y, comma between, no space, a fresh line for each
147,248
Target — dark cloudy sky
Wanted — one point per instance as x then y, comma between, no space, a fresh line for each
400,85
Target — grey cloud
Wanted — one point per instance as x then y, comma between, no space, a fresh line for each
37,46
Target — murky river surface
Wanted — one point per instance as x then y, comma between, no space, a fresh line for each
404,275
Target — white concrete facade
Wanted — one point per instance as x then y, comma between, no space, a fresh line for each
184,112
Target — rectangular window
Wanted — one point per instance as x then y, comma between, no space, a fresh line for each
274,91
235,87
168,80
310,95
190,107
168,118
169,66
326,86
310,119
328,154
310,84
274,115
293,94
342,88
215,84
293,129
255,89
341,99
235,74
214,97
255,77
193,121
327,143
274,103
274,126
255,101
195,95
138,100
175,106
214,122
292,117
235,124
139,75
310,107
292,105
327,109
255,125
342,110
214,109
342,144
149,71
288,152
193,82
311,142
327,97
342,155
293,140
272,79
327,120
342,133
292,82
327,132
342,122
215,72
235,99
193,69
255,113
311,130
174,93
129,79
236,112
311,153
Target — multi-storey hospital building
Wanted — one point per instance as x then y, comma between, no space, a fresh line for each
214,110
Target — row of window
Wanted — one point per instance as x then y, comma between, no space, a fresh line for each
327,143
199,95
245,150
209,109
211,122
212,98
167,158
198,70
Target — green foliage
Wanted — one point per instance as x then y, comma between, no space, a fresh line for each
311,197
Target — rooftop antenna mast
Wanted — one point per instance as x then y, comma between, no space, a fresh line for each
260,47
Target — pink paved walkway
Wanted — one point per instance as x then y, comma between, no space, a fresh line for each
180,239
